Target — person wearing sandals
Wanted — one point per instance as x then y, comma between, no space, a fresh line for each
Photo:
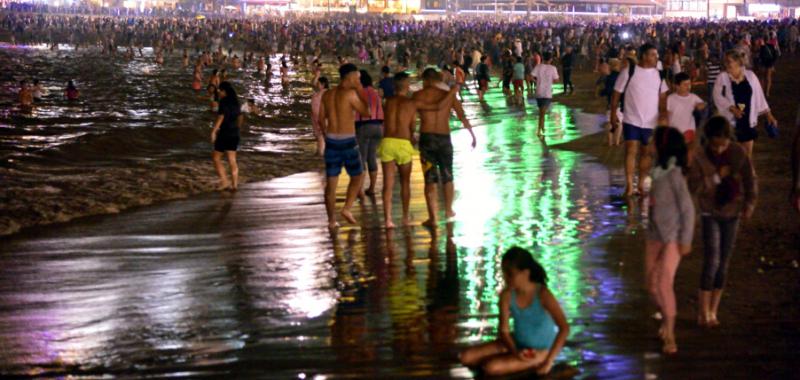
670,228
724,183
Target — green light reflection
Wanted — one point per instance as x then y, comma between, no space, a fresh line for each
511,190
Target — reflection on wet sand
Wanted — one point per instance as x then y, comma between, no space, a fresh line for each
252,285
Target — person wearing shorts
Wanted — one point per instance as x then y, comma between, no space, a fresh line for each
544,75
225,136
631,132
337,114
342,152
398,150
436,153
644,96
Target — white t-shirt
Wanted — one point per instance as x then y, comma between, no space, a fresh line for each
545,76
681,110
641,97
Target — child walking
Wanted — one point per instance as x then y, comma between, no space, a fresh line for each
681,106
540,327
670,227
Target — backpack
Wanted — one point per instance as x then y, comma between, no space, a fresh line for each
631,70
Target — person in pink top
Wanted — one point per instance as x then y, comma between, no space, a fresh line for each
369,131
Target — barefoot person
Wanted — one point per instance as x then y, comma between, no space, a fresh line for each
436,149
396,150
722,178
540,327
643,92
670,228
544,75
225,135
369,131
337,120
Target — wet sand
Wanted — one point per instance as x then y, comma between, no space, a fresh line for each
251,285
761,308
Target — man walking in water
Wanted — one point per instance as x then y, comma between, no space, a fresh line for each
337,120
396,149
436,149
644,96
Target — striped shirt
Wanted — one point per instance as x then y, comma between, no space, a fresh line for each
712,69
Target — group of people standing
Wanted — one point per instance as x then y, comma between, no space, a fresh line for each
356,127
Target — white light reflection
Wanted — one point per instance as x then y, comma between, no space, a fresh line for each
480,203
307,298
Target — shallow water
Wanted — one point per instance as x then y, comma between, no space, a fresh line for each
252,285
138,134
138,109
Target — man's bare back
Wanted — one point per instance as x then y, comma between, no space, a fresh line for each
400,117
338,105
437,122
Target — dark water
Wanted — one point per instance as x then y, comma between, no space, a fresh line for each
137,109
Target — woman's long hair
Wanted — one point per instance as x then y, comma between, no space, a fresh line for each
230,94
670,143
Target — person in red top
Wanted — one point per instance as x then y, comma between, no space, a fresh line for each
71,93
369,131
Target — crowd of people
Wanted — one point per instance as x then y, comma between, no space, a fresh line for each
692,154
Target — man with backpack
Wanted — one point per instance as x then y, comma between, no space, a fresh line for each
642,89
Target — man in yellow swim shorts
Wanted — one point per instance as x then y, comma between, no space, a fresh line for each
396,149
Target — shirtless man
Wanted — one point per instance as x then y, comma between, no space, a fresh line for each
396,149
337,120
436,149
320,85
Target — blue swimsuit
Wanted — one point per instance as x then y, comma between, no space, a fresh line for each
533,325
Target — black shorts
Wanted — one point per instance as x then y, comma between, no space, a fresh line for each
436,154
507,83
544,102
225,143
745,134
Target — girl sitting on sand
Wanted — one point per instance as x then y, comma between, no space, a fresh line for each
540,328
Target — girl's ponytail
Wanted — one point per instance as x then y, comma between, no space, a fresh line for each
521,259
